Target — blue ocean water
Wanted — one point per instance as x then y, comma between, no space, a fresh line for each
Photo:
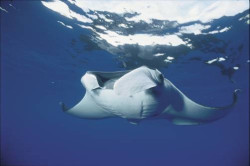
42,63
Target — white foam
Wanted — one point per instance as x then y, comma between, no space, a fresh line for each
219,31
123,25
72,1
170,58
104,18
63,9
159,54
3,9
93,16
181,11
221,59
77,4
225,29
213,32
212,61
167,61
189,45
195,28
245,17
115,39
100,27
12,6
86,27
68,26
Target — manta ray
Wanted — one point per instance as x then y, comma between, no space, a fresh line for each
141,94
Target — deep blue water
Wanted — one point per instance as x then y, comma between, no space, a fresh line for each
38,71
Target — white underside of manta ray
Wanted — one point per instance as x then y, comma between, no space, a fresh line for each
138,95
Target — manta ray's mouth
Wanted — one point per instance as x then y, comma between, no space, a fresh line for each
109,84
104,82
107,80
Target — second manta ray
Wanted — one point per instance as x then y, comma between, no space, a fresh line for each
138,95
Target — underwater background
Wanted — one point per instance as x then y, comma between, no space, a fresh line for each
46,47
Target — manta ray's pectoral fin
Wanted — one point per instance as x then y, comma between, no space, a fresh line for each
191,113
135,81
87,108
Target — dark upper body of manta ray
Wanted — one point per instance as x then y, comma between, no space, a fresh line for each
141,94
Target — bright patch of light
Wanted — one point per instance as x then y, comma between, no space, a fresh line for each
225,29
93,16
68,26
245,17
181,11
84,8
221,59
220,31
189,45
12,6
86,27
236,68
100,27
141,39
72,2
167,61
104,18
195,29
170,58
123,25
212,61
213,32
159,54
3,9
63,9
139,18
